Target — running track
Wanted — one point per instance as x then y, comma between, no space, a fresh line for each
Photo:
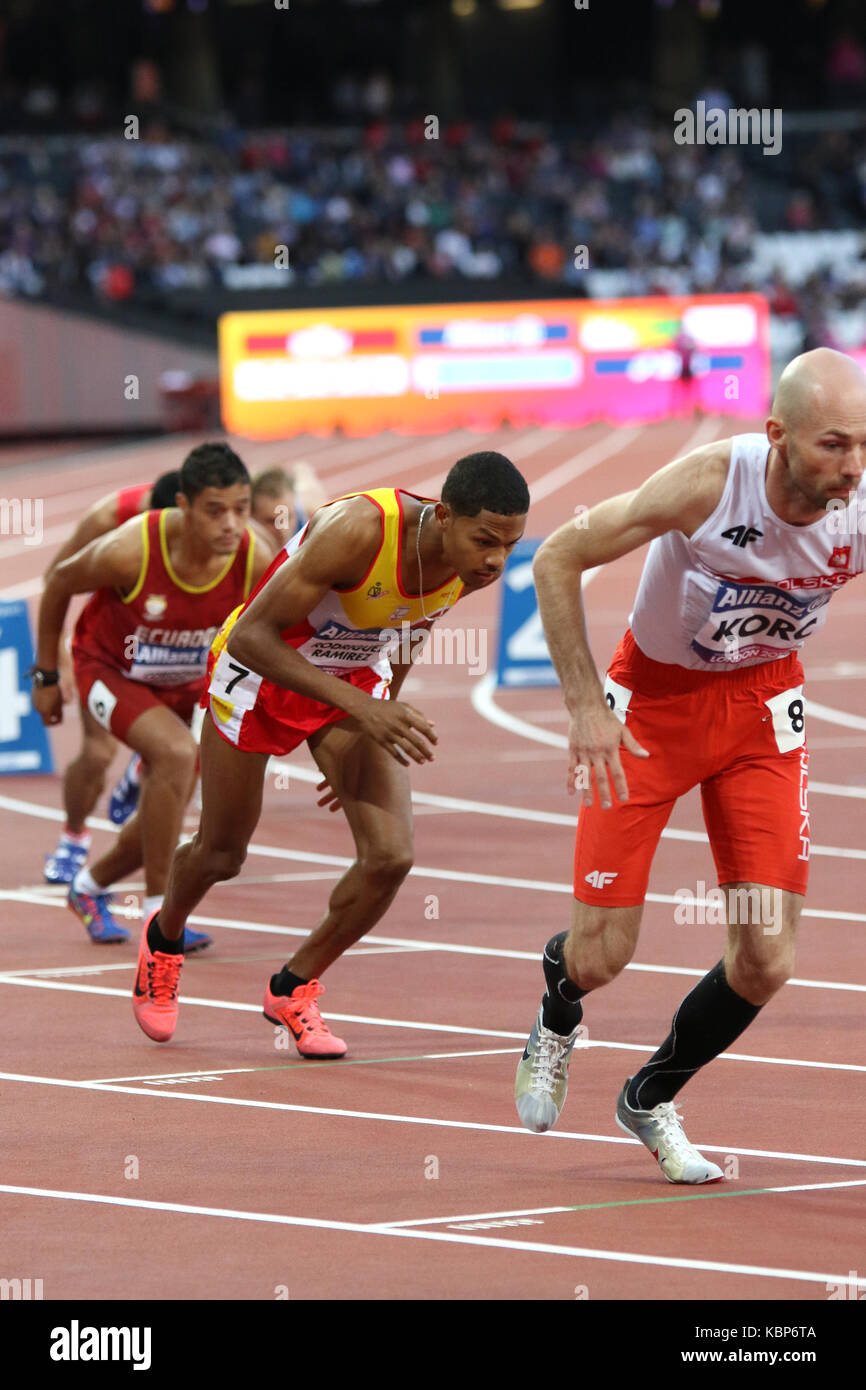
402,1172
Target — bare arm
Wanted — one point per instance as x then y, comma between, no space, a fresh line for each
337,551
113,560
678,497
401,670
101,519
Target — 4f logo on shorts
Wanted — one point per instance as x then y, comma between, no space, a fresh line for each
599,879
741,535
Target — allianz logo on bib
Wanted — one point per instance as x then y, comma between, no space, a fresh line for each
775,617
338,632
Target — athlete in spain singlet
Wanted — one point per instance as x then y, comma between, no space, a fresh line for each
352,634
319,654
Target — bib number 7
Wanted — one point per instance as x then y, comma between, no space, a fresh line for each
241,671
233,682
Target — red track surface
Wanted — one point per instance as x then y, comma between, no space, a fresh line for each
293,1174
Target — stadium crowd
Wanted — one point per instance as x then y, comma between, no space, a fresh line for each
386,203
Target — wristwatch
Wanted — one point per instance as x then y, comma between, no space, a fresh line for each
41,677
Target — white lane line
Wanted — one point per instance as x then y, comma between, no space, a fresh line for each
50,972
451,947
482,696
530,816
451,1238
423,1120
311,876
424,871
8,978
837,789
834,716
555,1211
367,1020
29,588
403,459
48,536
583,462
597,453
452,803
298,1062
414,1025
612,442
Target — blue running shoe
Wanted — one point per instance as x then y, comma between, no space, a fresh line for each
94,913
195,941
124,798
64,863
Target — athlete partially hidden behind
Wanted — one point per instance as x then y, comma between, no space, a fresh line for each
162,583
313,656
705,689
282,502
84,778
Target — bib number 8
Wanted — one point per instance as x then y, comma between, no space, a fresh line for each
796,716
789,718
617,697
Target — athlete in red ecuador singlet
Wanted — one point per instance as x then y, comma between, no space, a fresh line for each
162,584
84,778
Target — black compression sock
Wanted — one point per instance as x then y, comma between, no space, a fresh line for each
706,1022
561,1010
286,982
157,942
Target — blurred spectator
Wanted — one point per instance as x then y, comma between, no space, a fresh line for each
128,220
846,69
800,212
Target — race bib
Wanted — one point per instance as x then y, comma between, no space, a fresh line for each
789,718
617,697
154,664
233,683
101,703
756,622
340,648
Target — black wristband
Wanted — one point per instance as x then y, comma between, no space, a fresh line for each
41,677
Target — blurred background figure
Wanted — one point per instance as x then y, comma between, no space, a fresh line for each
284,500
685,396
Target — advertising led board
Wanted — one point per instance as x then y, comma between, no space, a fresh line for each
428,368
